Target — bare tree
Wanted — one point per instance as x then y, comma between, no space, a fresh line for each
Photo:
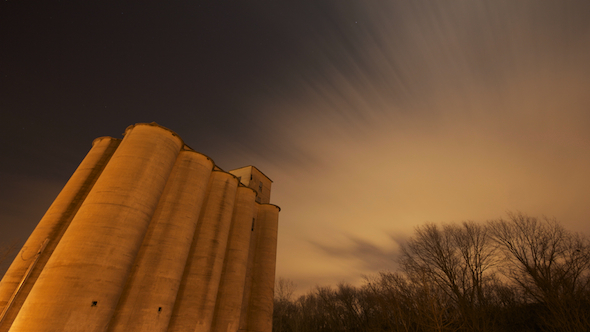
550,265
284,289
391,299
518,274
284,310
458,260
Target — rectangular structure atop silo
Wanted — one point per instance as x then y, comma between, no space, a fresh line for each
253,178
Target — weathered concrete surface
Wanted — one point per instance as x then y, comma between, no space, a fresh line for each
51,228
148,235
243,326
148,299
233,277
260,302
195,302
81,283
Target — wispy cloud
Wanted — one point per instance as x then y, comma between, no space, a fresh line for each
430,111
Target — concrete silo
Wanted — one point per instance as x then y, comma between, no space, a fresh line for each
231,287
148,298
81,283
195,303
147,235
257,305
26,267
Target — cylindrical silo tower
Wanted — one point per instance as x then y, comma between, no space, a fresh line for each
25,269
81,283
148,299
195,302
148,235
231,287
249,266
258,314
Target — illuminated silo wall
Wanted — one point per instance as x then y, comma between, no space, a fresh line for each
148,300
231,288
82,281
28,264
195,302
147,235
258,299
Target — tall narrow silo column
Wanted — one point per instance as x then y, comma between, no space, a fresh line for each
260,306
249,267
195,302
81,283
148,299
231,287
26,267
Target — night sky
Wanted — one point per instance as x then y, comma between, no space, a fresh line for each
371,117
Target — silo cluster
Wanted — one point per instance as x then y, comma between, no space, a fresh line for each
148,235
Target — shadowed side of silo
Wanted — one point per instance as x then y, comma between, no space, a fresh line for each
148,299
231,288
258,304
195,302
82,282
27,266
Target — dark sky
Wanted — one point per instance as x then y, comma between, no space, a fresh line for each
371,117
74,71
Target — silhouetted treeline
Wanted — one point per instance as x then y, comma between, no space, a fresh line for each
514,274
